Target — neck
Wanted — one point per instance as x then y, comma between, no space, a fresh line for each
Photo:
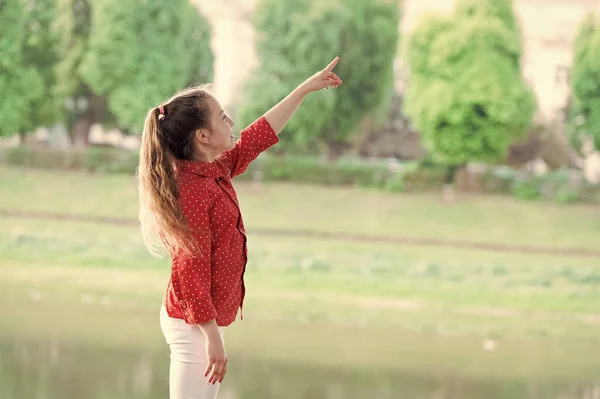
204,157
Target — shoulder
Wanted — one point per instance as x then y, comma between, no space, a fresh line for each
222,163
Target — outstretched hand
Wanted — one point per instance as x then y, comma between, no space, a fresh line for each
280,114
323,79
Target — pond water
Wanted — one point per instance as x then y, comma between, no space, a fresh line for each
54,369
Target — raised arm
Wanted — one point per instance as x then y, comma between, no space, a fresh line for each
262,134
280,114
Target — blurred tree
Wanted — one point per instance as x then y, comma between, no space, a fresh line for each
296,38
197,43
20,84
40,52
466,94
586,82
73,19
141,52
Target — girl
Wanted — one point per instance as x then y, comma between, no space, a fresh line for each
188,157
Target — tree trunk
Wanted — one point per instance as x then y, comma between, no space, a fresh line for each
449,190
332,154
80,134
22,138
88,109
334,150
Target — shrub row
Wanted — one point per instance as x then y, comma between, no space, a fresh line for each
562,186
93,159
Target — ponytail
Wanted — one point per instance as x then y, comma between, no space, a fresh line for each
162,221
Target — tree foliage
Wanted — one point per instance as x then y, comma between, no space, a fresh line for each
20,84
142,51
73,20
586,80
40,53
296,38
466,94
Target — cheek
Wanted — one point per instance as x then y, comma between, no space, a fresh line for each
226,135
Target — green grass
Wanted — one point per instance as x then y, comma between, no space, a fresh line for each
347,210
411,308
282,266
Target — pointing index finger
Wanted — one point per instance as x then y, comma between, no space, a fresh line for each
332,64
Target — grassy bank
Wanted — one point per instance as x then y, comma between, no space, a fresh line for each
336,209
405,308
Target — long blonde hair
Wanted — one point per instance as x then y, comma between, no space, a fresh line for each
168,136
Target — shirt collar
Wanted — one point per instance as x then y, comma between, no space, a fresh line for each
205,169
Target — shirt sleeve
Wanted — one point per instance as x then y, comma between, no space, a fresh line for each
194,272
254,139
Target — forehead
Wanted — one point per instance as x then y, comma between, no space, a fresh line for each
215,107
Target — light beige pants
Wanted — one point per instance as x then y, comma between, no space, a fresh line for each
188,359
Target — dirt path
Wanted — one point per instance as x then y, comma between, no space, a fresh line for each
409,241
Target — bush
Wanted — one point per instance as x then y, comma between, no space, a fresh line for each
93,159
268,167
499,179
318,171
561,186
527,189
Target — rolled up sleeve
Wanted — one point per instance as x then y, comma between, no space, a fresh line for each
256,138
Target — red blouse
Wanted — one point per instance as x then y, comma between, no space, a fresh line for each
212,287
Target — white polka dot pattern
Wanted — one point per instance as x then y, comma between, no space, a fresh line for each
202,288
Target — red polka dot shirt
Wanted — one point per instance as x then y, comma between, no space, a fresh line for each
212,287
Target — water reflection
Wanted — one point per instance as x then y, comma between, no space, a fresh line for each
52,370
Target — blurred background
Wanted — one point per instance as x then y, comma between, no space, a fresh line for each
427,230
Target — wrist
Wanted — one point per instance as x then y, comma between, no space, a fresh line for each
213,338
211,333
302,90
210,330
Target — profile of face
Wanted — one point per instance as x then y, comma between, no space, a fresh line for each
219,137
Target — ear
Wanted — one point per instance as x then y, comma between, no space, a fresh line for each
203,135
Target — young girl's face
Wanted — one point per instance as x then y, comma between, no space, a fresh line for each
221,138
